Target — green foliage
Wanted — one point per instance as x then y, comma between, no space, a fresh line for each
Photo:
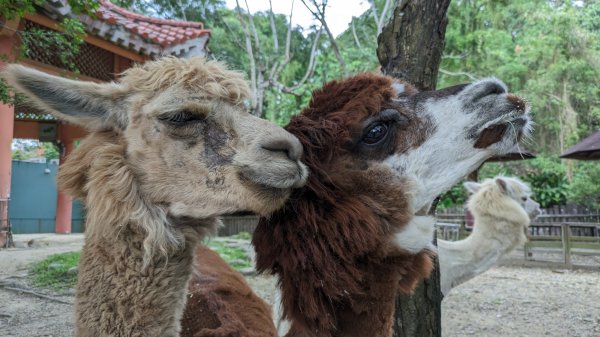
549,53
12,9
584,188
242,236
456,196
32,149
235,256
64,44
549,188
546,175
50,150
7,94
53,272
546,51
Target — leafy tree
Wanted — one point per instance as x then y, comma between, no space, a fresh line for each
27,149
547,52
584,188
65,43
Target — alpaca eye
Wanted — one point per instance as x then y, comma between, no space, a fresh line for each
524,198
180,118
375,134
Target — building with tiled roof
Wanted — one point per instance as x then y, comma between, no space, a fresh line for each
145,35
116,39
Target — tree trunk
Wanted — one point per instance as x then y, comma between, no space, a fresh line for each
410,47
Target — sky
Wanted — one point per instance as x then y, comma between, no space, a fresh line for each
338,13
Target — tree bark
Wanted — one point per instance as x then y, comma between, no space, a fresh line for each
410,47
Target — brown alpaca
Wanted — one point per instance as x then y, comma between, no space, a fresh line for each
222,304
170,149
379,152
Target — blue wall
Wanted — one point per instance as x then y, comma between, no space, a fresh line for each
33,195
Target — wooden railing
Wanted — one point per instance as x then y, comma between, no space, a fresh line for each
233,225
577,232
566,237
6,239
566,230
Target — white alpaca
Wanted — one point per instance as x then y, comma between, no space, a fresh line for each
502,209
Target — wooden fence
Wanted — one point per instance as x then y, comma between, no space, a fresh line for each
233,225
561,229
6,239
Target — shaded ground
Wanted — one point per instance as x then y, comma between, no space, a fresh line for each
506,301
24,315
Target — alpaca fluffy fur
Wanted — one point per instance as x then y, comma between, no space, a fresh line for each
222,304
342,245
170,135
502,211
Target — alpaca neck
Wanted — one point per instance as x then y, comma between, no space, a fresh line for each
334,252
368,314
492,238
136,262
502,233
117,295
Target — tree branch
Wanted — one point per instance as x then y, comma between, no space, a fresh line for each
30,292
384,12
458,73
319,14
253,28
250,51
310,69
273,28
232,34
354,34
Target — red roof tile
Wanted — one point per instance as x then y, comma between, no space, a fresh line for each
112,14
145,35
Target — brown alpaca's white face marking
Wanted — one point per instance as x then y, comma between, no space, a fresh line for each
437,137
192,146
467,124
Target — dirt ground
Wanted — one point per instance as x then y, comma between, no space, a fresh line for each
505,301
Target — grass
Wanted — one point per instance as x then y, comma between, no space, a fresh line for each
235,256
53,271
242,236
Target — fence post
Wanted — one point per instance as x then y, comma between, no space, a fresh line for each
566,241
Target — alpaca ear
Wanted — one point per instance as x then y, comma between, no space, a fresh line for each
91,105
471,186
504,188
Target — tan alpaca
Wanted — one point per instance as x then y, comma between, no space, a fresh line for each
502,209
170,149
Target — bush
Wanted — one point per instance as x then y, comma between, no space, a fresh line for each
584,188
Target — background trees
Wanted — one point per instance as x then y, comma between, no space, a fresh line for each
547,51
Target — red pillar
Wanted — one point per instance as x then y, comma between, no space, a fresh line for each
7,122
64,203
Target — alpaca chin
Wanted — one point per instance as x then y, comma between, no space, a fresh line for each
416,235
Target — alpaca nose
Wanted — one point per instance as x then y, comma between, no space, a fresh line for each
487,87
290,146
493,88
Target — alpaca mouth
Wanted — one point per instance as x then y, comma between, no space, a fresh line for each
495,133
294,175
264,186
241,213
